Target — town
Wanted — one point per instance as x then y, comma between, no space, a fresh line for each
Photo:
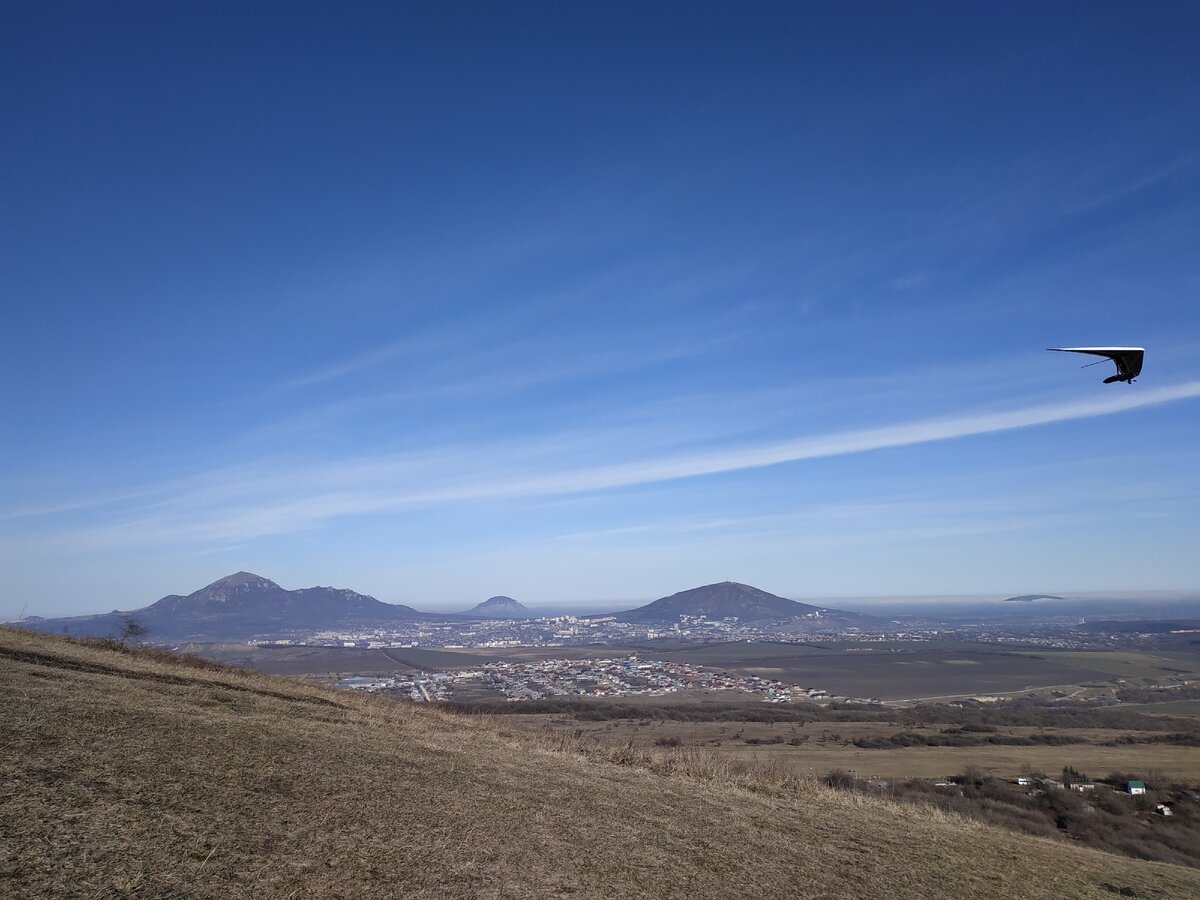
577,631
622,677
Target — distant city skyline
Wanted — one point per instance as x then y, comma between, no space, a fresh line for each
569,302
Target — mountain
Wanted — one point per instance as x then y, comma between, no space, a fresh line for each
499,608
239,607
182,778
1029,598
748,604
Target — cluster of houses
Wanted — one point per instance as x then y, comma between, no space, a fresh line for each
570,630
1134,788
542,631
617,677
423,688
626,676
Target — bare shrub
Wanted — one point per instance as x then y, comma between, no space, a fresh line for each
132,631
841,780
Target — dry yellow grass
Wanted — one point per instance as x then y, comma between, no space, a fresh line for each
817,756
129,776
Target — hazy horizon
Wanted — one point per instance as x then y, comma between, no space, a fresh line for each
1157,602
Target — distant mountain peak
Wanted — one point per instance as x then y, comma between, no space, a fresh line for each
499,607
245,605
734,600
241,580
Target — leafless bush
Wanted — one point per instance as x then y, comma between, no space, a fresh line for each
132,631
840,780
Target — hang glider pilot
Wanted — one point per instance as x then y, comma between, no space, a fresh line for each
1127,359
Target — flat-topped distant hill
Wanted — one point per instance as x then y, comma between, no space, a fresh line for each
748,604
141,773
239,607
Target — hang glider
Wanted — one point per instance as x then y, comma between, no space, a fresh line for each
1128,360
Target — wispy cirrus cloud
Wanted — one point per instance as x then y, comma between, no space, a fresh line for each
482,378
527,325
835,444
260,500
1115,194
367,359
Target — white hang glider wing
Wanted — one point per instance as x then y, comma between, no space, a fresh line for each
1128,359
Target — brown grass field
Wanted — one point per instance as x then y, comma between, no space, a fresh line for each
1170,708
287,660
335,661
827,747
137,775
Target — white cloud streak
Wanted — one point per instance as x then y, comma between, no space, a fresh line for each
1116,195
838,444
289,500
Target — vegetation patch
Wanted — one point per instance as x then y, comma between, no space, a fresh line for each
1103,816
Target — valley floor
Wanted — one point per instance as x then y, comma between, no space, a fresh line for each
131,774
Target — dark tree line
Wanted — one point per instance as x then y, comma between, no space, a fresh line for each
1008,714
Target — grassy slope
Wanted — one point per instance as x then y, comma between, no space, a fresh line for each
131,775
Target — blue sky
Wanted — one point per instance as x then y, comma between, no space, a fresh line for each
582,302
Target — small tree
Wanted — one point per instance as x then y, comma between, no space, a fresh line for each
132,630
1029,770
974,776
1071,775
